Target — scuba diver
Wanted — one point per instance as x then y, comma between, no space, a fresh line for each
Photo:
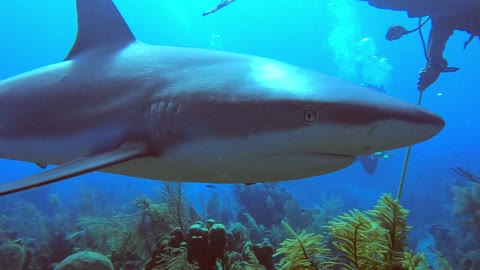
446,16
220,5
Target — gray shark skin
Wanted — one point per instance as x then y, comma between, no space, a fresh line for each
183,114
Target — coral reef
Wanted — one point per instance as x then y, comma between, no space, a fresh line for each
263,201
12,257
374,239
460,245
149,235
53,251
217,236
360,240
27,221
393,218
85,260
305,251
154,222
206,247
109,234
264,252
466,204
416,261
170,259
329,207
179,211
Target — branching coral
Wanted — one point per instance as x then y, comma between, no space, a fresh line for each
441,262
153,223
263,201
116,234
27,221
233,261
466,204
171,259
240,231
329,207
248,254
12,257
296,217
178,209
305,251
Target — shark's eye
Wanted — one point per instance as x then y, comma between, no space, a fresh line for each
310,116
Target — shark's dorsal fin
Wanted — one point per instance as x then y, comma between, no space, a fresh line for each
99,23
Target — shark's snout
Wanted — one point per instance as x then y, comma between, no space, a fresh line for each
405,127
357,121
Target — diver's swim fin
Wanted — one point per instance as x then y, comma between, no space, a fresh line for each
83,165
369,164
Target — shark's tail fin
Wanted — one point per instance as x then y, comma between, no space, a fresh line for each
369,164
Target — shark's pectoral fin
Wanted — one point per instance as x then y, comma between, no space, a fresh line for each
128,151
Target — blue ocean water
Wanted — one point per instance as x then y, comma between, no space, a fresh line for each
344,38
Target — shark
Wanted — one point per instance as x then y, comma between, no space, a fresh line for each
118,105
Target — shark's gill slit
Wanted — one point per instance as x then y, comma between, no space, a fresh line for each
373,129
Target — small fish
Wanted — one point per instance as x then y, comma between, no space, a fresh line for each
75,234
210,186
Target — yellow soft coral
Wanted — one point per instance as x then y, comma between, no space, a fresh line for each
361,240
416,261
375,239
392,217
305,252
